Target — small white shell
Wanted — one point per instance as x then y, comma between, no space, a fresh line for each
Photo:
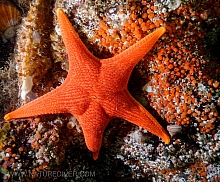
36,37
26,86
174,129
73,123
78,2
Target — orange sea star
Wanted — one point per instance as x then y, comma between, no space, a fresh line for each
95,91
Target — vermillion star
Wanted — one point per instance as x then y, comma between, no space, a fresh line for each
95,91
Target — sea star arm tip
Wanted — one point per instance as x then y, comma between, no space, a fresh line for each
95,155
166,138
7,117
59,10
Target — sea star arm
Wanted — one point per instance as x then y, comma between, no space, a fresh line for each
86,62
47,104
57,101
128,108
93,123
121,65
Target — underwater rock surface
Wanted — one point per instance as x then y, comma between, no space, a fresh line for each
178,81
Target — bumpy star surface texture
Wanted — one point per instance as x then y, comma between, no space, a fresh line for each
95,91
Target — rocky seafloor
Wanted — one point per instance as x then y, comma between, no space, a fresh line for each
177,81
